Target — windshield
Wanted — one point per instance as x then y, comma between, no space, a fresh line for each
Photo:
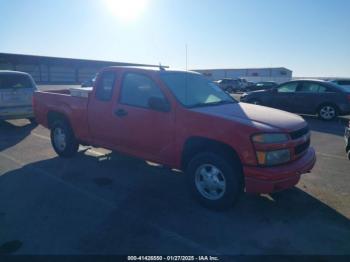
193,90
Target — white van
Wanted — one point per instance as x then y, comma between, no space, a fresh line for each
16,92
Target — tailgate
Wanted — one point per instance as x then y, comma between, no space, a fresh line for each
16,97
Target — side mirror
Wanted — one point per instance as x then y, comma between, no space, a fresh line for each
158,104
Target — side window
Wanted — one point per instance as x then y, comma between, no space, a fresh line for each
137,89
309,87
105,86
322,89
288,88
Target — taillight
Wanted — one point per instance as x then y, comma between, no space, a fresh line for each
348,96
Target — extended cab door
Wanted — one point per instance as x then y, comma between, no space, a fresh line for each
142,131
100,110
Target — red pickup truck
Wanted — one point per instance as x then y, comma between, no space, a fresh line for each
183,121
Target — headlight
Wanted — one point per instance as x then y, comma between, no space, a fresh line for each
270,138
271,158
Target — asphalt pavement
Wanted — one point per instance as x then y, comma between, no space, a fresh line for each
105,203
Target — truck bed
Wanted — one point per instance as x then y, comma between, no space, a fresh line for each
72,107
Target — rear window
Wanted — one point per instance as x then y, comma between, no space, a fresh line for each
15,81
344,82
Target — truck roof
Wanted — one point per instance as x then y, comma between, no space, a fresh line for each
154,69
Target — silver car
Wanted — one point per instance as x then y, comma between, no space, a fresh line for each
16,92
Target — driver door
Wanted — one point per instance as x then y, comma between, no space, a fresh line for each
142,131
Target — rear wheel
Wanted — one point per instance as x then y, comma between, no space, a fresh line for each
214,181
327,112
63,139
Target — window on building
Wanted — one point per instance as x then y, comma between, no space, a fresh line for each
283,73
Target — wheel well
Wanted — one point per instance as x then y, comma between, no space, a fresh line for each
52,116
195,145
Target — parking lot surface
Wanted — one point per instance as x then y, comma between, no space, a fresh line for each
104,203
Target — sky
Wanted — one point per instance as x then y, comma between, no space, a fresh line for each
310,37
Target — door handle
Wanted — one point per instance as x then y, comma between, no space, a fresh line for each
120,112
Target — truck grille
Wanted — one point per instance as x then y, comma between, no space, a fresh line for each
302,147
299,133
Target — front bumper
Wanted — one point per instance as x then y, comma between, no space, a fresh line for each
271,179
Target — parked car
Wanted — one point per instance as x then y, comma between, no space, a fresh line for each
16,92
261,86
230,85
323,98
183,121
347,139
342,82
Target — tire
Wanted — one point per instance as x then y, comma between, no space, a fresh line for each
327,112
62,139
349,154
214,181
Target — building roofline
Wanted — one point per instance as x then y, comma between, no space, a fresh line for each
67,59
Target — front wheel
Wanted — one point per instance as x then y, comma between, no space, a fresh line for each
214,181
63,139
327,112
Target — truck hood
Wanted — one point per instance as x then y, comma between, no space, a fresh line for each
262,117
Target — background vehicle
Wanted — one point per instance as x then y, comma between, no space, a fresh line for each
261,86
342,82
167,117
325,99
230,85
16,92
347,139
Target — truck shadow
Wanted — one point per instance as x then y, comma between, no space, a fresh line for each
11,134
57,205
